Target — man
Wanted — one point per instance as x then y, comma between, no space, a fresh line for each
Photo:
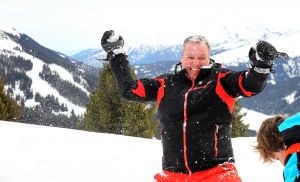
195,106
279,139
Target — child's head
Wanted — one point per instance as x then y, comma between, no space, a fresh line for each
269,141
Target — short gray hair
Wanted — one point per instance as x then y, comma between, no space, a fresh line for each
197,39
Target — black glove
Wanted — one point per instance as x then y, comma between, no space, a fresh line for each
264,54
110,41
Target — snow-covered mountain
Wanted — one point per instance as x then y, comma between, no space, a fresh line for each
40,78
230,47
139,54
90,57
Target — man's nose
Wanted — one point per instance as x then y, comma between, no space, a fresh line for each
196,62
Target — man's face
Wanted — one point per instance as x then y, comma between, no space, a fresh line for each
194,56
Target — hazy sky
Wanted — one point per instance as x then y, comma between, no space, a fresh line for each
71,24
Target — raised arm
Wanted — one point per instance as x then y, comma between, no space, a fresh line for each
137,90
253,81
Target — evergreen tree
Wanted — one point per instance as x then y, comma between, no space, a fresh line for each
139,120
9,109
107,112
239,129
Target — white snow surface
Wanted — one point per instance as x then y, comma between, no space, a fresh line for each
6,43
32,153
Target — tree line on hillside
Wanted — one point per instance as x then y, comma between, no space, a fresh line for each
65,88
14,68
48,111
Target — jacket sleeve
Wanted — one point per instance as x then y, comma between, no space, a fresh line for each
243,83
137,90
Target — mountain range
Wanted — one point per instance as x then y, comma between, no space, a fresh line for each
282,94
54,87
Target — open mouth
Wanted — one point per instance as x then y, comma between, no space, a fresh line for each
193,68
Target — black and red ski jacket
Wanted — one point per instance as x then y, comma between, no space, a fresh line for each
195,116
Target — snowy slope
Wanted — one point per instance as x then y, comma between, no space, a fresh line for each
31,153
253,118
9,47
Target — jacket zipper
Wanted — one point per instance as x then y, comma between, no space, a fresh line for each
185,123
216,140
184,129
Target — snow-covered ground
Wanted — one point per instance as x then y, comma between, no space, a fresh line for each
32,153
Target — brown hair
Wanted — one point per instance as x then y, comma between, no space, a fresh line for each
269,139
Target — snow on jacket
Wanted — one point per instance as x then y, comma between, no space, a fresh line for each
290,131
195,116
